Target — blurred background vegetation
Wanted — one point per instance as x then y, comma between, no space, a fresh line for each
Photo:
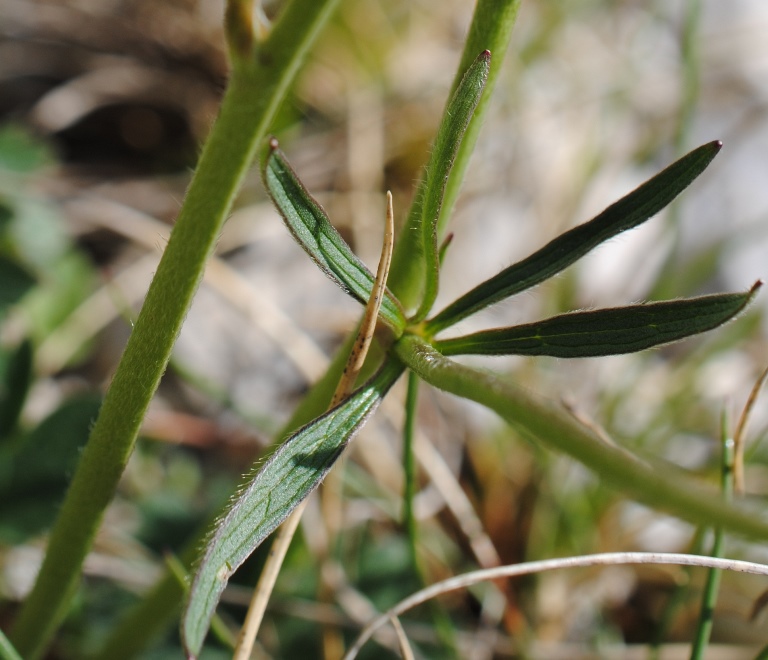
103,106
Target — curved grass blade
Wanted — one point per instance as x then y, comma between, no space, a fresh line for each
629,212
605,331
310,226
282,482
539,420
454,124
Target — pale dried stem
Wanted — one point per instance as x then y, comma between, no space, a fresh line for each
405,647
515,570
738,436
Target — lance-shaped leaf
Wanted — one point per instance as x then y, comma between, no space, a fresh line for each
454,124
629,212
539,420
310,226
281,483
604,331
491,29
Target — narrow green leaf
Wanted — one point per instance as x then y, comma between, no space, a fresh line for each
629,212
310,226
605,331
537,419
456,118
491,29
282,482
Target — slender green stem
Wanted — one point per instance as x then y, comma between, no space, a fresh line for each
409,467
443,625
542,421
255,91
712,586
490,29
680,596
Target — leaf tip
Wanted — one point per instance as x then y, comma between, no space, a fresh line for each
273,144
486,54
755,287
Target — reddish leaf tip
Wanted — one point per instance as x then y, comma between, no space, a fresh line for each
273,144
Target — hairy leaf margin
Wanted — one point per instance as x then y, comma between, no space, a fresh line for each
311,228
611,331
286,478
450,134
629,212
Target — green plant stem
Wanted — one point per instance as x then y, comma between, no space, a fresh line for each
712,586
680,595
490,29
541,421
708,602
256,89
409,468
443,625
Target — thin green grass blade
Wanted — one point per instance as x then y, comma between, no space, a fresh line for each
712,586
454,124
542,421
310,226
282,482
629,212
605,331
